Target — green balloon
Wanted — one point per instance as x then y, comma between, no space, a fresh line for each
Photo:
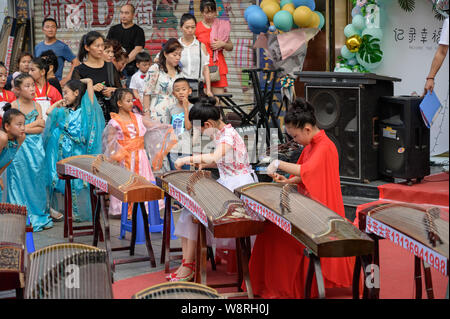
283,2
346,53
283,20
350,30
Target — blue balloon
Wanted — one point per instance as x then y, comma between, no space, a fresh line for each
272,28
346,53
250,9
358,22
283,20
259,30
257,19
356,10
308,3
350,30
322,20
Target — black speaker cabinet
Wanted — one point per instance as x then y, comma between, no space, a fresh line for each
404,138
346,108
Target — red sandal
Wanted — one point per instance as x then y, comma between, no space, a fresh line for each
189,276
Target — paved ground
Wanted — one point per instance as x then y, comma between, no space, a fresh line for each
55,236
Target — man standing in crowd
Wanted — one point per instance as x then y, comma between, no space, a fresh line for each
130,36
61,50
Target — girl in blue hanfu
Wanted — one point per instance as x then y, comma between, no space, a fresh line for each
12,136
25,176
74,127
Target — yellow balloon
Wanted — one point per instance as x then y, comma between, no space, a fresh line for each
270,9
302,16
289,7
353,43
264,2
315,21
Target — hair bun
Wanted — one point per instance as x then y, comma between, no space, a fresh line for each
205,101
7,107
301,105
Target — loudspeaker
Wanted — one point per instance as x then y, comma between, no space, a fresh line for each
346,108
404,138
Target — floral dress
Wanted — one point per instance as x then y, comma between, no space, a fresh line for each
158,84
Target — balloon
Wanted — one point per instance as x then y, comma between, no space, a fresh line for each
352,61
289,7
308,3
353,43
358,22
283,20
257,19
302,16
346,53
284,2
264,2
250,9
270,9
322,19
356,10
315,21
350,30
341,69
272,28
375,32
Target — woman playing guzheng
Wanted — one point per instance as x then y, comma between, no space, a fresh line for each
230,157
277,265
12,136
74,127
125,139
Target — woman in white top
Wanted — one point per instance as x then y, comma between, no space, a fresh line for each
192,59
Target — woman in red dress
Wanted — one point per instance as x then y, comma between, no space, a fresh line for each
203,34
277,266
5,95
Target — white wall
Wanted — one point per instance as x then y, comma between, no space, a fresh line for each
410,59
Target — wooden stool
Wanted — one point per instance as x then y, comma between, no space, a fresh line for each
69,229
101,209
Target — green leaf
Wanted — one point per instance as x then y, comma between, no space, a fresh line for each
407,5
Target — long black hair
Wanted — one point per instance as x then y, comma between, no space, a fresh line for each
77,85
204,109
10,114
51,59
87,40
170,46
118,96
43,64
300,113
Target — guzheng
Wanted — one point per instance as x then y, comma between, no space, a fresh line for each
178,290
317,227
68,271
12,246
110,178
215,206
415,228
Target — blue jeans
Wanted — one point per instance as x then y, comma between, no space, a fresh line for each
172,157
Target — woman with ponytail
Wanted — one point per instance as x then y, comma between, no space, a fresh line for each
230,157
277,259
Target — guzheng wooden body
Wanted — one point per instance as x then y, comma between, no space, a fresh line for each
317,227
178,290
110,178
215,206
12,246
415,228
68,271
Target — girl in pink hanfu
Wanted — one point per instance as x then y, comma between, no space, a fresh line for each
129,136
